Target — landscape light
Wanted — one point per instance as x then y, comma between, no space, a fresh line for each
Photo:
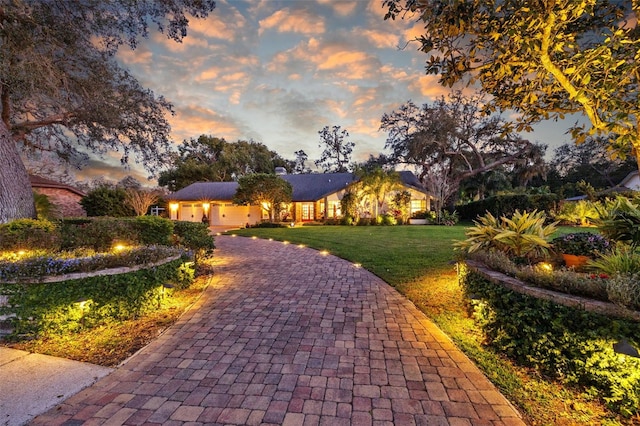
624,347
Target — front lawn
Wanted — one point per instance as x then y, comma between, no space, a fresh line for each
416,261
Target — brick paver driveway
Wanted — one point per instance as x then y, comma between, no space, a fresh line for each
287,335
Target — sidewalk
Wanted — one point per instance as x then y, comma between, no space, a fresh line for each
287,335
31,384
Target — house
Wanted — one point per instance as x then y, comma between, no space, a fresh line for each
631,181
65,198
316,197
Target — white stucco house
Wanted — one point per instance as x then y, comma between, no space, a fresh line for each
316,197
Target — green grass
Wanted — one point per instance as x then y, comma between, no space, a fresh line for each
416,260
397,254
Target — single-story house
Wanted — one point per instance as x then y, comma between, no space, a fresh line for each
631,181
316,197
65,198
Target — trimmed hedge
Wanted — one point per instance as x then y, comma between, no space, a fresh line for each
506,205
565,343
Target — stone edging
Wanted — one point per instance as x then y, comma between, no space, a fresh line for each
110,271
590,305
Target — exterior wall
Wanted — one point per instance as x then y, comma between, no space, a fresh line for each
219,213
67,203
633,183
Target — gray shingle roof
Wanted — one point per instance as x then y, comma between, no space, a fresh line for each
314,186
306,187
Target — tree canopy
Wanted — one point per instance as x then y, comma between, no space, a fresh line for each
451,140
212,159
267,190
62,91
336,154
542,59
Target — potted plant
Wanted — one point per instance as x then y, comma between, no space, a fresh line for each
578,247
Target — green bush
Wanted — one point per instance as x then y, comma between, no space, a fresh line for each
194,236
506,205
622,260
523,236
569,344
154,230
22,234
624,290
620,221
69,306
100,234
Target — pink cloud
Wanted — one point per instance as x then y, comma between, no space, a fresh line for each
293,21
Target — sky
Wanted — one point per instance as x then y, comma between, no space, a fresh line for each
277,72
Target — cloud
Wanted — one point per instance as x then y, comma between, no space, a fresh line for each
192,121
299,21
341,7
428,86
380,39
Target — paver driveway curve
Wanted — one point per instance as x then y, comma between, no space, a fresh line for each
289,335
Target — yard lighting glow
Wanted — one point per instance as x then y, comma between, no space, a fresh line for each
81,303
205,207
545,267
218,234
301,245
324,253
254,238
234,235
270,239
357,265
285,242
119,247
173,206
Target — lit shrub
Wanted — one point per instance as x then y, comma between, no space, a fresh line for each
32,234
621,261
196,237
154,229
565,343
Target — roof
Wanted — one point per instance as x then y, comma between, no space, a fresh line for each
40,182
314,186
306,187
199,191
628,178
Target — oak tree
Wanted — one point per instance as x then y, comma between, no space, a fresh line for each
542,59
451,140
212,159
337,150
62,91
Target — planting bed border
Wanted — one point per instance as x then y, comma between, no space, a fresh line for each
102,272
573,301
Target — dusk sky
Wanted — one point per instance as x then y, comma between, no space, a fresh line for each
277,72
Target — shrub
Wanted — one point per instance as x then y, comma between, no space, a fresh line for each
445,217
621,261
388,219
154,230
582,212
194,236
624,290
31,234
620,221
506,205
564,343
69,306
524,235
100,234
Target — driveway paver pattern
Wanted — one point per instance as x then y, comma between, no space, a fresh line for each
289,335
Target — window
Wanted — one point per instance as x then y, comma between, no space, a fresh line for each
418,205
307,211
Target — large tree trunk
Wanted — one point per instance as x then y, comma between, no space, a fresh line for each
16,196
